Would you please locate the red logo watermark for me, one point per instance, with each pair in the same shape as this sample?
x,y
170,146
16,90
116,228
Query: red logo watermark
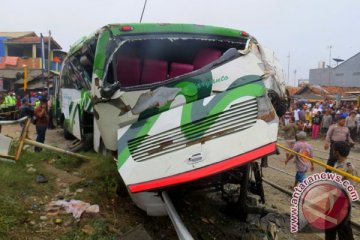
x,y
325,206
322,201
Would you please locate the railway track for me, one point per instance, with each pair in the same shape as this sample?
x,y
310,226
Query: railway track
x,y
180,225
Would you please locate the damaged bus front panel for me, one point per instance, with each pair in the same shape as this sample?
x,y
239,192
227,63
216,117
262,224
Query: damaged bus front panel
x,y
182,102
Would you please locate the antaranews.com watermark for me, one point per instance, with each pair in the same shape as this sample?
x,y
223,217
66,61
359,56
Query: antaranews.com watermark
x,y
321,200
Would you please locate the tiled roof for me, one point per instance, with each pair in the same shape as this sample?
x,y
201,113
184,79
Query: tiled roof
x,y
17,34
292,90
324,90
342,90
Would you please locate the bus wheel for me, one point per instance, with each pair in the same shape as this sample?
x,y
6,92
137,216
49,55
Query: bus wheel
x,y
86,144
236,191
102,148
68,135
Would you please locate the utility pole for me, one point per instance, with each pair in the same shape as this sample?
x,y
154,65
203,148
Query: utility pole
x,y
49,60
295,78
142,14
42,58
330,47
288,74
49,53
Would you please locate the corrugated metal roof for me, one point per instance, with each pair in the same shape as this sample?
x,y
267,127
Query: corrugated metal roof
x,y
17,34
7,73
36,85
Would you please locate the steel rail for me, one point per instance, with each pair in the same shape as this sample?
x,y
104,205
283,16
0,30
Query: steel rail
x,y
325,152
342,173
179,226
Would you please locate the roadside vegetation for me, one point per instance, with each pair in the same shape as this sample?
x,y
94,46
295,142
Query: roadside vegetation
x,y
24,201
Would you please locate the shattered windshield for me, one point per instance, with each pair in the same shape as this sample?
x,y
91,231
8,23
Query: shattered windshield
x,y
75,75
155,59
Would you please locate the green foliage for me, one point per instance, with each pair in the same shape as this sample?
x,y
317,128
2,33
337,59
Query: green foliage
x,y
17,188
100,183
68,163
11,214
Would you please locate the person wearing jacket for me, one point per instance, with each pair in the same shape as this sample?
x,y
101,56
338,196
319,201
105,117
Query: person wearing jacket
x,y
42,119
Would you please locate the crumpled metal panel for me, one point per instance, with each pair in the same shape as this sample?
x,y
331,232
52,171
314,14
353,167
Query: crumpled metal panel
x,y
156,98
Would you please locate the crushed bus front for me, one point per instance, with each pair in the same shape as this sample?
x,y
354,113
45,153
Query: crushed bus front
x,y
182,102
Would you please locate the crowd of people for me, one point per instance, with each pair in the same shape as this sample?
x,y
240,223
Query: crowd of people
x,y
34,105
316,119
340,128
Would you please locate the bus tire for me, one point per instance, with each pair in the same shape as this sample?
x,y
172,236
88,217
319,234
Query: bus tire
x,y
102,149
68,135
86,144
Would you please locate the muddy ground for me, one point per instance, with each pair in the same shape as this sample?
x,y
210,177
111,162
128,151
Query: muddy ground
x,y
205,214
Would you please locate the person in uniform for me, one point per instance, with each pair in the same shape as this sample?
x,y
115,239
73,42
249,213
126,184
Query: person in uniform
x,y
337,132
341,150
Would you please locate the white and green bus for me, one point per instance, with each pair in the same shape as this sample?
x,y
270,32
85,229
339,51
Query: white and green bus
x,y
178,103
74,111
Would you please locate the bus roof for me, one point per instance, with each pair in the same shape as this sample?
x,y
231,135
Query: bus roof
x,y
144,28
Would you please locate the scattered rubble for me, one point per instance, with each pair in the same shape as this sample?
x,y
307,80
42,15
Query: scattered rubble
x,y
136,233
88,229
75,207
41,179
31,170
58,221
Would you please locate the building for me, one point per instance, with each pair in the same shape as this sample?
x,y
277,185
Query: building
x,y
346,74
19,49
302,82
316,93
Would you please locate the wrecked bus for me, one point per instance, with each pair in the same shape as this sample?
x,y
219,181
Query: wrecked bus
x,y
177,102
74,112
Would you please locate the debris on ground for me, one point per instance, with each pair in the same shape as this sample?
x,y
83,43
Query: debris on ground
x,y
58,221
136,233
31,170
75,207
41,179
88,229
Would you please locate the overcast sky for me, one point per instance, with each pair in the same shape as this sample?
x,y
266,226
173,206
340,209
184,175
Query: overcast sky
x,y
305,28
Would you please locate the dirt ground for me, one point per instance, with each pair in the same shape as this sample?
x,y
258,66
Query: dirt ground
x,y
205,221
53,137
